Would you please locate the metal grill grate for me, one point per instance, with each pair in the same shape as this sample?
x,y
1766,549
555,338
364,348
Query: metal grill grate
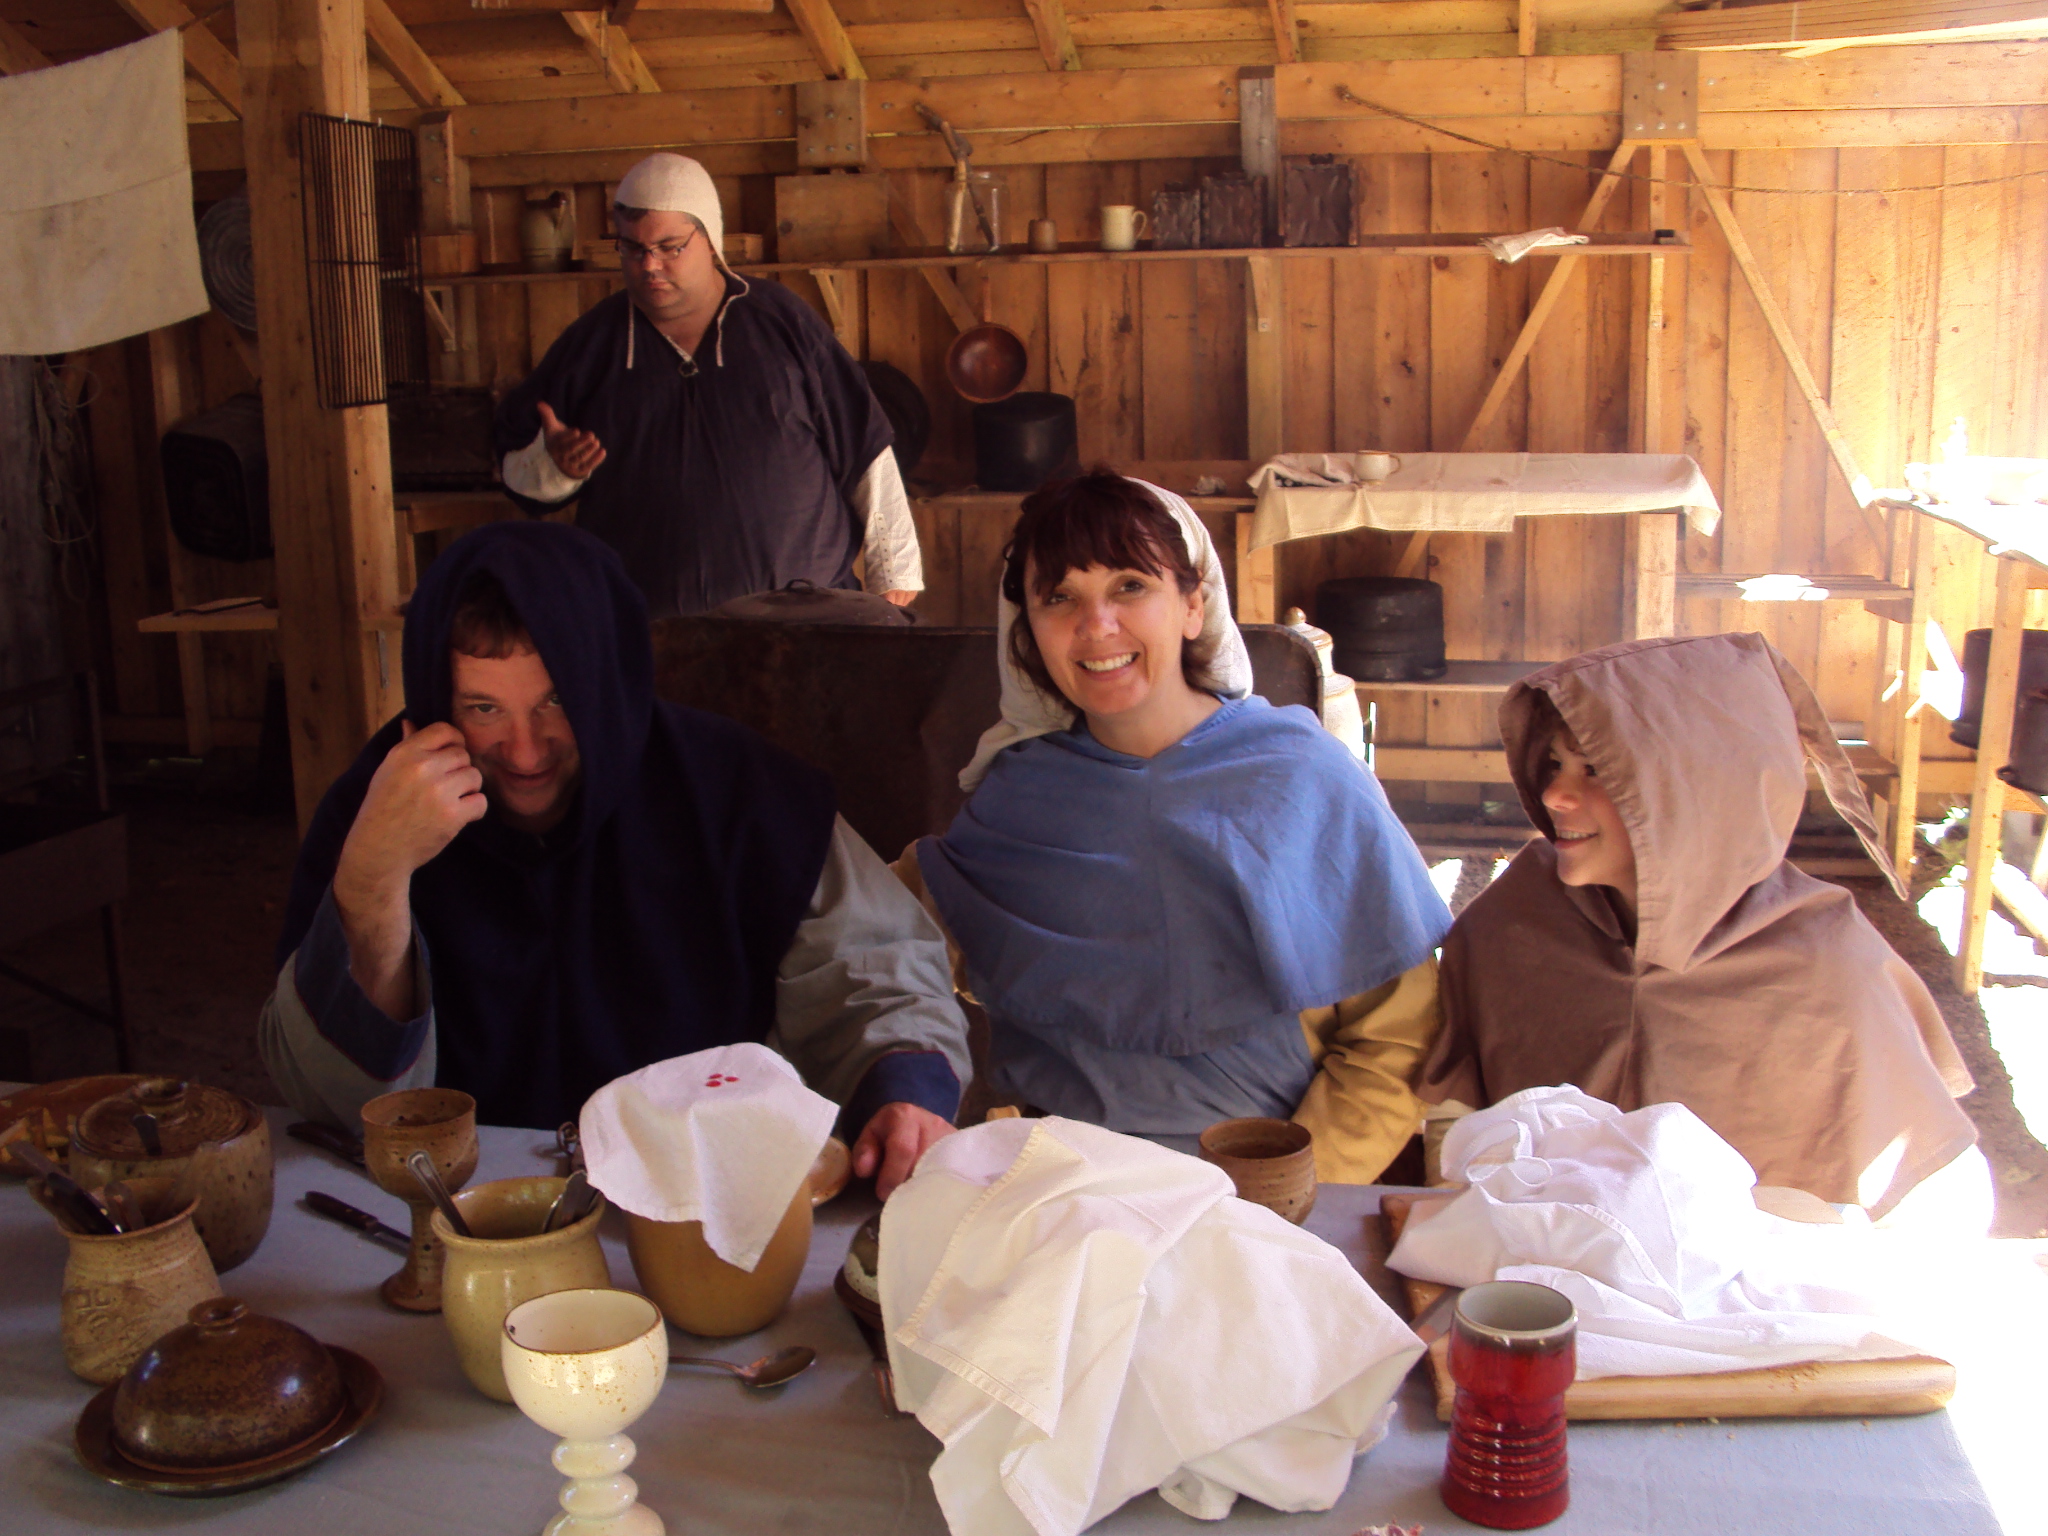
x,y
362,196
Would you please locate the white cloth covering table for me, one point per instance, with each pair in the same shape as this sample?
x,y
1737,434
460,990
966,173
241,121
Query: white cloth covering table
x,y
820,1456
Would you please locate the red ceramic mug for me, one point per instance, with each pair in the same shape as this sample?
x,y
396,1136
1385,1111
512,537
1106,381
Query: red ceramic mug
x,y
1513,1353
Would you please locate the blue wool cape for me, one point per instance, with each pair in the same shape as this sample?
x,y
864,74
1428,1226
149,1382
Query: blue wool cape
x,y
1175,904
648,924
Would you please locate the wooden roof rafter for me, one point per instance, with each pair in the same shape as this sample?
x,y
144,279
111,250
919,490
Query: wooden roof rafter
x,y
206,56
1055,37
17,54
393,47
1807,27
609,46
1286,31
827,38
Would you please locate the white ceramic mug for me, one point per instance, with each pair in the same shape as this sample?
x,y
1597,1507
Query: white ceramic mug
x,y
1122,227
1374,466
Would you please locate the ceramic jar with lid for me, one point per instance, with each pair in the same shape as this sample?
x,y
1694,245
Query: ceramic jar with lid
x,y
228,1388
227,1136
123,1292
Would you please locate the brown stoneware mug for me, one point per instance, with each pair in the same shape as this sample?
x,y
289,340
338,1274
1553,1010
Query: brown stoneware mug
x,y
507,1260
442,1123
123,1292
1272,1163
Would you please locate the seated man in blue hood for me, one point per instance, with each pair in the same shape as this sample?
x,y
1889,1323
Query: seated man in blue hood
x,y
541,877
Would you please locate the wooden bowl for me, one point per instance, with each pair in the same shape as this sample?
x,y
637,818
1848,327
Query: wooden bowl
x,y
1271,1162
987,363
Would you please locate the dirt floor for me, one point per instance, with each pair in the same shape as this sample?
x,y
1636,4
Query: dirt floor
x,y
211,856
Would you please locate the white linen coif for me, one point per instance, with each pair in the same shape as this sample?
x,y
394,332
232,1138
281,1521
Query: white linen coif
x,y
724,1136
96,231
1649,1223
1082,1316
1029,711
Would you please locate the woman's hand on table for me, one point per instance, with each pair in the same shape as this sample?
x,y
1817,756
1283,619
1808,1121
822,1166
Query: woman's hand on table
x,y
895,1137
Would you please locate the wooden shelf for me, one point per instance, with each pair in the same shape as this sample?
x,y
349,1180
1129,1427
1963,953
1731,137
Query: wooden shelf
x,y
1831,589
1463,677
225,616
1632,244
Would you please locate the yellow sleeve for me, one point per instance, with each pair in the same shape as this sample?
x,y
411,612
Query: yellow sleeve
x,y
1360,1108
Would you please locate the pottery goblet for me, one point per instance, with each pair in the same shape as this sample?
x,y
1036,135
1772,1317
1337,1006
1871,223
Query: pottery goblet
x,y
585,1365
442,1123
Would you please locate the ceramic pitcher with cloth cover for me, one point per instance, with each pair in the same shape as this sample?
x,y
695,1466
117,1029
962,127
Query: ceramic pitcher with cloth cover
x,y
710,1156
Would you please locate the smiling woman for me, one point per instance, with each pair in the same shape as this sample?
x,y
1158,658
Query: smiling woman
x,y
1178,904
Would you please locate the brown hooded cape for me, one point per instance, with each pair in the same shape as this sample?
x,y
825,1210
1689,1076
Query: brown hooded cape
x,y
1755,995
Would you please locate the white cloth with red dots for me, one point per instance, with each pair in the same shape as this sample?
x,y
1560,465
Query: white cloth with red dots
x,y
724,1136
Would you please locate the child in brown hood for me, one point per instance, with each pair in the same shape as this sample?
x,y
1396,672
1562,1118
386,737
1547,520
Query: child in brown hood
x,y
1656,945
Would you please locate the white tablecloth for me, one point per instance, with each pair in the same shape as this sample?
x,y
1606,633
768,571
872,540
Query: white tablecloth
x,y
1483,493
821,1456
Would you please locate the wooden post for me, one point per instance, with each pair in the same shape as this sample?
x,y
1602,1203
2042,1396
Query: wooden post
x,y
1258,137
330,470
173,398
1652,538
1265,372
1908,566
1987,790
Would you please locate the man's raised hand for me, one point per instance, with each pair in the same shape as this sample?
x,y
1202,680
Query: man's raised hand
x,y
576,453
424,792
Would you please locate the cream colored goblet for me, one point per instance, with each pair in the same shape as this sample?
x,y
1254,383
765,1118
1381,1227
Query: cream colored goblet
x,y
584,1365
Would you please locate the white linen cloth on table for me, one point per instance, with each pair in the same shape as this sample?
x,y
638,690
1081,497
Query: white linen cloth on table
x,y
1082,1316
1471,492
96,231
1649,1223
723,1136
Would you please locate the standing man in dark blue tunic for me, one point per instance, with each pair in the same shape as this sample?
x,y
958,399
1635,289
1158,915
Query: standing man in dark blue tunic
x,y
713,431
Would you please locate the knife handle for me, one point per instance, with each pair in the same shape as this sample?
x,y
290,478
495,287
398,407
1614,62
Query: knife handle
x,y
327,1139
341,1211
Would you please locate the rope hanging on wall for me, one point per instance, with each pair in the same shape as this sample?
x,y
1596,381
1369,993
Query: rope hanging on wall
x,y
1346,94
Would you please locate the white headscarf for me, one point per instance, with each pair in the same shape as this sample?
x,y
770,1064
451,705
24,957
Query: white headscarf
x,y
671,183
1029,710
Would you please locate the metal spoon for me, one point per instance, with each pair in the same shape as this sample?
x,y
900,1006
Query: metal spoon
x,y
422,1165
768,1371
569,1205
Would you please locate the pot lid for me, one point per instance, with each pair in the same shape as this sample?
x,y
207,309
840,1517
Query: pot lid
x,y
188,1115
803,603
229,1387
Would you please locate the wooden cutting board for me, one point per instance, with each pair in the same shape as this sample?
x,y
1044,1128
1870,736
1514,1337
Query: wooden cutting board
x,y
1825,1389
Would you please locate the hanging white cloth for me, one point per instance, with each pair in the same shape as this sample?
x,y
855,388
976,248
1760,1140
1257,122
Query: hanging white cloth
x,y
1082,1317
96,234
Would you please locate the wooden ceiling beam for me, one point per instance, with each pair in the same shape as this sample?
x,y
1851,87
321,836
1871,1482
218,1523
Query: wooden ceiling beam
x,y
17,54
614,53
1055,37
1808,24
830,45
394,48
1286,31
206,56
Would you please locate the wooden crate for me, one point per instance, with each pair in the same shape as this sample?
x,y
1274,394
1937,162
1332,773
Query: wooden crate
x,y
1233,211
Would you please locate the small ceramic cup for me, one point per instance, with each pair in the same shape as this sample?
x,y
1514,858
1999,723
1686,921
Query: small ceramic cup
x,y
1374,466
507,1260
1271,1162
1513,1353
1045,236
702,1294
1123,226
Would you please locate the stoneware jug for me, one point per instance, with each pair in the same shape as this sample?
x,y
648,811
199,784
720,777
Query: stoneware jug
x,y
222,1139
507,1260
123,1293
702,1294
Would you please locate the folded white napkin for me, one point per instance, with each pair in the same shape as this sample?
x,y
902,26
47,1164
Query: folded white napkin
x,y
1512,248
1319,471
723,1136
1082,1316
1648,1222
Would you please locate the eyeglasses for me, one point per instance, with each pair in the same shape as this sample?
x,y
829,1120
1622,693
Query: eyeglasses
x,y
662,254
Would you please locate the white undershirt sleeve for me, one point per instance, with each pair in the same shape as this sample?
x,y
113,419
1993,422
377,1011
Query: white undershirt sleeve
x,y
894,562
532,472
